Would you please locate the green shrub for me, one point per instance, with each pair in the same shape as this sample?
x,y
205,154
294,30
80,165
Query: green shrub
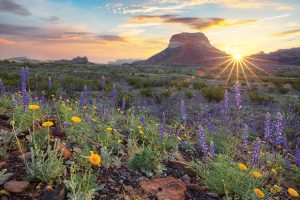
x,y
166,93
198,85
189,94
147,161
185,84
148,92
215,93
225,177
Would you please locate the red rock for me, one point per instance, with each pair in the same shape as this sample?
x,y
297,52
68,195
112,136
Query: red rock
x,y
165,188
16,186
65,151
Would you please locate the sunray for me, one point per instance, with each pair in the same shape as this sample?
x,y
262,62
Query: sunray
x,y
250,70
225,68
214,58
237,70
230,73
219,64
248,57
243,70
257,67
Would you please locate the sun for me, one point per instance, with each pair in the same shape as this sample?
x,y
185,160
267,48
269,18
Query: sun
x,y
237,57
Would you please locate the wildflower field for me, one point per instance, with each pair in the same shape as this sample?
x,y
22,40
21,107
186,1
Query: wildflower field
x,y
64,140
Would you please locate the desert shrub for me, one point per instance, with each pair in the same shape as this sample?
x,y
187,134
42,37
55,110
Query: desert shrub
x,y
295,84
166,93
185,84
189,94
214,93
281,88
198,85
82,187
147,161
225,177
255,96
148,92
109,159
46,165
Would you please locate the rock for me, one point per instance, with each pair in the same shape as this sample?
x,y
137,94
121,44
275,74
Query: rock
x,y
165,188
16,186
65,151
128,188
58,132
196,187
212,194
76,149
186,179
4,117
57,194
181,165
26,156
6,177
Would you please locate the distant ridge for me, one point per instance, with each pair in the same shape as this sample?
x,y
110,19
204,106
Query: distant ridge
x,y
187,49
281,56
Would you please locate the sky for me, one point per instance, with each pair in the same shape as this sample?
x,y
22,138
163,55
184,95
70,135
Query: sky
x,y
106,30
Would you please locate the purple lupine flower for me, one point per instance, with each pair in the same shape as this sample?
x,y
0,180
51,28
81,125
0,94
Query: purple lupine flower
x,y
81,102
2,88
183,113
225,106
123,104
85,92
245,135
43,99
72,87
92,124
279,136
103,83
100,110
107,115
142,120
170,132
49,83
256,152
201,141
161,131
25,99
23,79
163,119
267,127
114,93
237,89
86,118
27,73
297,153
212,150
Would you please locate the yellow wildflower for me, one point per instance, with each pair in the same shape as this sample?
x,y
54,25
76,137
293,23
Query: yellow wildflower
x,y
33,107
274,171
85,107
178,138
139,127
242,166
260,194
109,129
141,132
95,107
275,189
95,159
76,119
47,124
293,192
120,141
256,174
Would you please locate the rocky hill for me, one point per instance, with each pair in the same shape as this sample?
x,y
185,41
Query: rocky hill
x,y
187,49
77,60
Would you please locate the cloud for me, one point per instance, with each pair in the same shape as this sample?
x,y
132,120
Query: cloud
x,y
13,7
287,33
51,19
195,23
115,38
9,29
70,36
6,42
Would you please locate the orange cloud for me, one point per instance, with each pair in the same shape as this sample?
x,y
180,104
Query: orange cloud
x,y
195,23
6,42
286,33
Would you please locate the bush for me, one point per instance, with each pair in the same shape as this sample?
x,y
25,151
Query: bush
x,y
198,85
148,92
215,93
189,95
147,162
166,93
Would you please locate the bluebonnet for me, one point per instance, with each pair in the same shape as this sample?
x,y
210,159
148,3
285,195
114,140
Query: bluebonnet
x,y
237,89
2,88
163,119
107,115
161,132
267,127
256,152
43,99
201,141
123,104
114,93
297,154
245,135
183,113
171,132
142,120
279,136
103,83
25,95
100,110
23,79
49,83
225,106
212,150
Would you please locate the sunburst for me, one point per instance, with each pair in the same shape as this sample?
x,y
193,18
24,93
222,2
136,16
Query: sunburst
x,y
239,65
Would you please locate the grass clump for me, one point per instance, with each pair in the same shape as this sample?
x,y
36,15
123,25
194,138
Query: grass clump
x,y
214,93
